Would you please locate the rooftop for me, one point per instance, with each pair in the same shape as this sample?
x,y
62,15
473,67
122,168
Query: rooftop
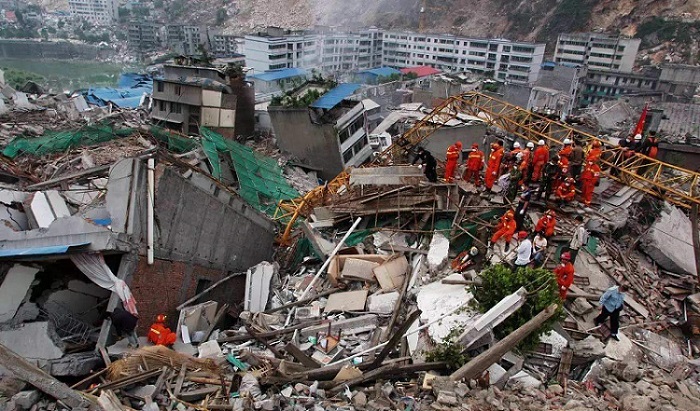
x,y
380,71
334,96
421,71
280,74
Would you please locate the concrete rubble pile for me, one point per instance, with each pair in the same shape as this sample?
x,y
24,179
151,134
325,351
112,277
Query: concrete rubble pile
x,y
346,316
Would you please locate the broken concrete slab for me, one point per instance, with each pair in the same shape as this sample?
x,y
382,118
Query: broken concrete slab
x,y
669,241
392,274
196,318
619,350
122,346
26,312
589,348
57,203
347,301
26,399
76,364
382,303
358,269
71,302
337,264
525,380
209,349
556,341
357,325
492,318
257,289
91,289
14,288
392,175
438,251
33,341
437,299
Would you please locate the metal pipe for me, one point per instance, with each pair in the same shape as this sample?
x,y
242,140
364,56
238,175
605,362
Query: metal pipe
x,y
151,199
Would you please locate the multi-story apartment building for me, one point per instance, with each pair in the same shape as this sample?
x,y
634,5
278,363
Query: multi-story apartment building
x,y
97,12
506,60
143,36
345,51
224,45
611,85
186,40
597,51
277,49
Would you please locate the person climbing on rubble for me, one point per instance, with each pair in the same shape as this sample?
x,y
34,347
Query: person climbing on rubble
x,y
549,178
524,250
428,162
547,223
595,153
125,325
475,162
539,158
452,158
565,274
611,302
650,147
523,205
566,191
494,164
504,231
539,249
589,180
159,334
577,158
579,239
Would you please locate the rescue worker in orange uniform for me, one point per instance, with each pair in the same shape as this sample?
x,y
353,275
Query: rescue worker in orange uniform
x,y
494,164
475,162
566,191
539,159
565,274
567,149
595,153
159,334
526,163
505,228
547,223
453,153
589,179
650,147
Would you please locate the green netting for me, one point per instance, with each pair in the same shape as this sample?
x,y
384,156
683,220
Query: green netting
x,y
177,143
56,141
261,181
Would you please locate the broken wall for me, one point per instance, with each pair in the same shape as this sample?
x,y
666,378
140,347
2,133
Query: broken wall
x,y
446,136
174,283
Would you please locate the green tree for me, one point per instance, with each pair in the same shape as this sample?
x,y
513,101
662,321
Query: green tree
x,y
500,281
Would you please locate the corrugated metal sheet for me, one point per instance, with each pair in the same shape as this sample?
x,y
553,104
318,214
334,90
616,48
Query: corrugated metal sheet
x,y
380,71
421,71
280,74
48,250
333,97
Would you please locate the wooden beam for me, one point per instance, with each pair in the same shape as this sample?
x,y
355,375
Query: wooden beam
x,y
300,356
696,244
476,366
396,336
47,384
219,315
276,333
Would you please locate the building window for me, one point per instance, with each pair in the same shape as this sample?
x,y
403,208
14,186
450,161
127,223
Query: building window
x,y
160,86
178,90
161,105
175,108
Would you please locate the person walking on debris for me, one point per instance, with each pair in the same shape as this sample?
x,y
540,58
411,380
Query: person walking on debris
x,y
524,250
539,158
429,164
579,239
159,334
523,205
452,158
577,157
475,162
125,325
547,223
589,180
550,176
565,274
539,245
612,302
504,231
494,164
566,191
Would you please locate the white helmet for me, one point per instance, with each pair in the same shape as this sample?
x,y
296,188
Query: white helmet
x,y
474,251
516,145
540,143
530,145
567,141
519,156
637,137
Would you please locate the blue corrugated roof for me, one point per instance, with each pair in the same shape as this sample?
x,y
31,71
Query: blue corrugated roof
x,y
48,250
280,74
335,96
380,71
131,87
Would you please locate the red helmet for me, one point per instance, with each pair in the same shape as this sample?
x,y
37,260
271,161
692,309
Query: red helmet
x,y
459,144
565,256
522,234
475,145
596,143
160,318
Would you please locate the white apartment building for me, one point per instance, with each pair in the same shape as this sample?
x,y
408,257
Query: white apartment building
x,y
277,49
97,12
517,62
348,51
597,51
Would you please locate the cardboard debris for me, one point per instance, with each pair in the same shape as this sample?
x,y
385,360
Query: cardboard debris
x,y
392,273
347,301
357,269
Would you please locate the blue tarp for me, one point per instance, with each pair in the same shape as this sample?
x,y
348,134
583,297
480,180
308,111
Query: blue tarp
x,y
380,71
333,97
130,88
48,250
274,75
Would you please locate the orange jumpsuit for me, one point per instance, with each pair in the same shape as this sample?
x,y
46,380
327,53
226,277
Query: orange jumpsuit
x,y
475,162
546,223
453,153
566,152
594,154
589,178
565,192
159,334
505,228
525,163
539,159
493,166
565,277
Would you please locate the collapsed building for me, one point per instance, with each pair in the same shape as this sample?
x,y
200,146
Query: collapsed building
x,y
364,289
